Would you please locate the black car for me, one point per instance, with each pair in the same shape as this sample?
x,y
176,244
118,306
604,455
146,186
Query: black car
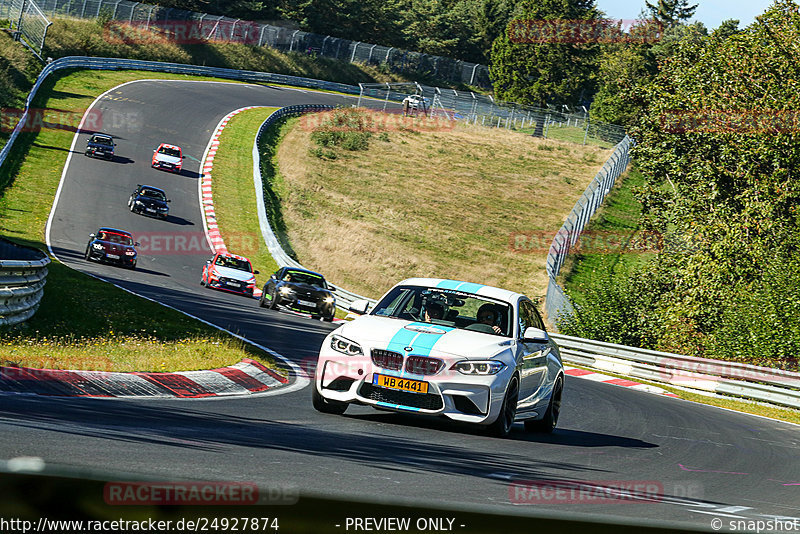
x,y
149,200
112,246
101,145
300,290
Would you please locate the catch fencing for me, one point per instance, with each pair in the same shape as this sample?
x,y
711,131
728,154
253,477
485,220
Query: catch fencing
x,y
474,108
27,22
218,28
23,273
557,304
343,297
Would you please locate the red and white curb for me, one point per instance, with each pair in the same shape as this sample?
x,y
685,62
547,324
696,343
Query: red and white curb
x,y
244,378
213,234
623,382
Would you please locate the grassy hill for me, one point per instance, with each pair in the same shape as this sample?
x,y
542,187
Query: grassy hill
x,y
447,203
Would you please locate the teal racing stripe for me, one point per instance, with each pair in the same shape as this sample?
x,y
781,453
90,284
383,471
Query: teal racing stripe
x,y
467,287
448,284
470,287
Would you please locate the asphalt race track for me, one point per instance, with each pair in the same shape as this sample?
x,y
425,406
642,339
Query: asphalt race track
x,y
707,462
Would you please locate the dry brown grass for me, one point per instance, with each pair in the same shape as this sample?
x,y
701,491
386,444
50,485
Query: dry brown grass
x,y
442,204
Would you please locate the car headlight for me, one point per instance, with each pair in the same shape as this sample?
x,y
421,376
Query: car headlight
x,y
251,282
97,246
130,253
328,300
345,346
163,208
138,203
285,290
483,367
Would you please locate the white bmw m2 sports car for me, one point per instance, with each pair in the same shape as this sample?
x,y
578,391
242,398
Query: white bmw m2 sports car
x,y
469,352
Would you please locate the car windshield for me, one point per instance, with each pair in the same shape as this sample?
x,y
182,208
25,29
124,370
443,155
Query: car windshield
x,y
299,277
167,151
102,141
233,263
152,193
113,237
447,307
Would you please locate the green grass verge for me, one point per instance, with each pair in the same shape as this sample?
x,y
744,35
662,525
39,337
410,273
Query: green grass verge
x,y
112,329
234,194
233,189
614,224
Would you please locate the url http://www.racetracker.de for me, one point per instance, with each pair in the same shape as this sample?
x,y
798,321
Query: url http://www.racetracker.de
x,y
195,524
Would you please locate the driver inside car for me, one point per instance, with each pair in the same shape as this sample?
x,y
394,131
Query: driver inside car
x,y
433,310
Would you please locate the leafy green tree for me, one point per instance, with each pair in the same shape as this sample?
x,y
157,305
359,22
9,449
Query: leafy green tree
x,y
718,145
536,67
671,12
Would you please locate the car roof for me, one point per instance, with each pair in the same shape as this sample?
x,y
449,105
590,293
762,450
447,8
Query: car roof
x,y
167,145
466,287
106,229
301,270
102,135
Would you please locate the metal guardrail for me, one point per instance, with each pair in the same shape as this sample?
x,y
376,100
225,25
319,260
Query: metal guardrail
x,y
557,304
23,273
343,297
703,375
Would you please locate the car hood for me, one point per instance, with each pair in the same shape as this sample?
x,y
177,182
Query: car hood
x,y
168,159
236,274
99,145
424,338
151,202
307,287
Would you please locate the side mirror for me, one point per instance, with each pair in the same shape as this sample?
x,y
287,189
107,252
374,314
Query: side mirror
x,y
535,335
331,287
92,235
183,157
208,262
272,276
256,272
154,151
359,306
168,200
137,244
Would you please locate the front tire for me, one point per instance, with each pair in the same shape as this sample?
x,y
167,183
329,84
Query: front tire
x,y
87,255
273,303
548,423
508,412
323,405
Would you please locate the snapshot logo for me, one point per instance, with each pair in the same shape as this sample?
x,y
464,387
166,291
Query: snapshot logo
x,y
195,493
730,121
182,32
588,242
39,119
376,121
584,492
579,31
191,243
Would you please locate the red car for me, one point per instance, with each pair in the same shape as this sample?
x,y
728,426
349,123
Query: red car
x,y
168,157
229,272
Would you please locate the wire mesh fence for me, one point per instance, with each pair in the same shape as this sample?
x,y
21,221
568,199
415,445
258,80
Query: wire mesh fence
x,y
473,108
178,22
27,22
